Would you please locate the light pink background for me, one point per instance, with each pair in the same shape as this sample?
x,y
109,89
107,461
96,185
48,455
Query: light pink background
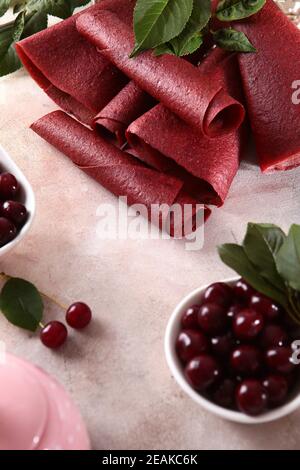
x,y
116,370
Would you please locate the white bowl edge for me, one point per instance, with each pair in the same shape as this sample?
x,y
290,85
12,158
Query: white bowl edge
x,y
175,367
7,164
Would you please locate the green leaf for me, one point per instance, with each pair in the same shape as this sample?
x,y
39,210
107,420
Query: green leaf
x,y
235,257
158,21
34,23
232,40
21,303
230,10
4,6
189,45
165,48
9,61
191,38
60,8
261,244
288,258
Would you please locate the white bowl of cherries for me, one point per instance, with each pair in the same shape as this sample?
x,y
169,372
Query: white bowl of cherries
x,y
17,204
229,348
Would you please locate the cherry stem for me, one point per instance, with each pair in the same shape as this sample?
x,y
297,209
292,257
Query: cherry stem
x,y
6,277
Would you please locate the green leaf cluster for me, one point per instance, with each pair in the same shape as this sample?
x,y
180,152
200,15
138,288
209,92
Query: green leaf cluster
x,y
269,260
32,16
178,26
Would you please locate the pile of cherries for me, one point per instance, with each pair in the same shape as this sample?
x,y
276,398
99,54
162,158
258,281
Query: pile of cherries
x,y
235,347
13,214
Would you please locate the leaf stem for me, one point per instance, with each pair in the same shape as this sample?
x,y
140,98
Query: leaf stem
x,y
6,277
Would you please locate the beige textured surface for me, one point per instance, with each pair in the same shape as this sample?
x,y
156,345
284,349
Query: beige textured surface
x,y
116,370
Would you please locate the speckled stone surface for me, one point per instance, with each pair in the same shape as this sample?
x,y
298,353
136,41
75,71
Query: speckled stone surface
x,y
115,370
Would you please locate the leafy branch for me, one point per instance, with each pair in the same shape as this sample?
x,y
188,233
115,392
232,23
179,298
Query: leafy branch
x,y
31,17
269,260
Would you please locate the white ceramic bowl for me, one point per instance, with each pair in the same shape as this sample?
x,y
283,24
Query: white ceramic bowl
x,y
172,331
26,197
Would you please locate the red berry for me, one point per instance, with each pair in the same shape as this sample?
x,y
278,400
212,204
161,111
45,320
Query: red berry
x,y
54,334
223,395
212,318
14,211
78,315
247,324
277,388
265,306
243,291
233,310
190,343
202,372
9,186
190,317
251,397
7,231
218,293
246,360
222,345
273,335
279,360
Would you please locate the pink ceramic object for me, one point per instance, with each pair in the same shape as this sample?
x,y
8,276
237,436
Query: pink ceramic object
x,y
36,413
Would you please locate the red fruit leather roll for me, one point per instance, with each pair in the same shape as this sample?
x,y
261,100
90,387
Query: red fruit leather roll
x,y
208,166
69,69
130,103
117,171
171,80
268,77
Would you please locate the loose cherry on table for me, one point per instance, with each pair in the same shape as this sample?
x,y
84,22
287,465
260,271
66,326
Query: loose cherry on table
x,y
236,349
78,316
54,334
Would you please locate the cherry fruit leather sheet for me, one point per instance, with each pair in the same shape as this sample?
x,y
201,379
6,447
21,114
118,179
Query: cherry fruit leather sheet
x,y
173,81
268,77
117,171
130,103
207,165
70,69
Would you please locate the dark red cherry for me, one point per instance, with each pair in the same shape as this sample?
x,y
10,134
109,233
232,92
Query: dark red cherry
x,y
78,315
202,372
223,395
222,345
233,310
190,317
247,324
190,343
54,334
279,360
218,293
243,291
251,397
14,211
277,388
246,360
9,186
265,306
273,335
7,231
212,318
